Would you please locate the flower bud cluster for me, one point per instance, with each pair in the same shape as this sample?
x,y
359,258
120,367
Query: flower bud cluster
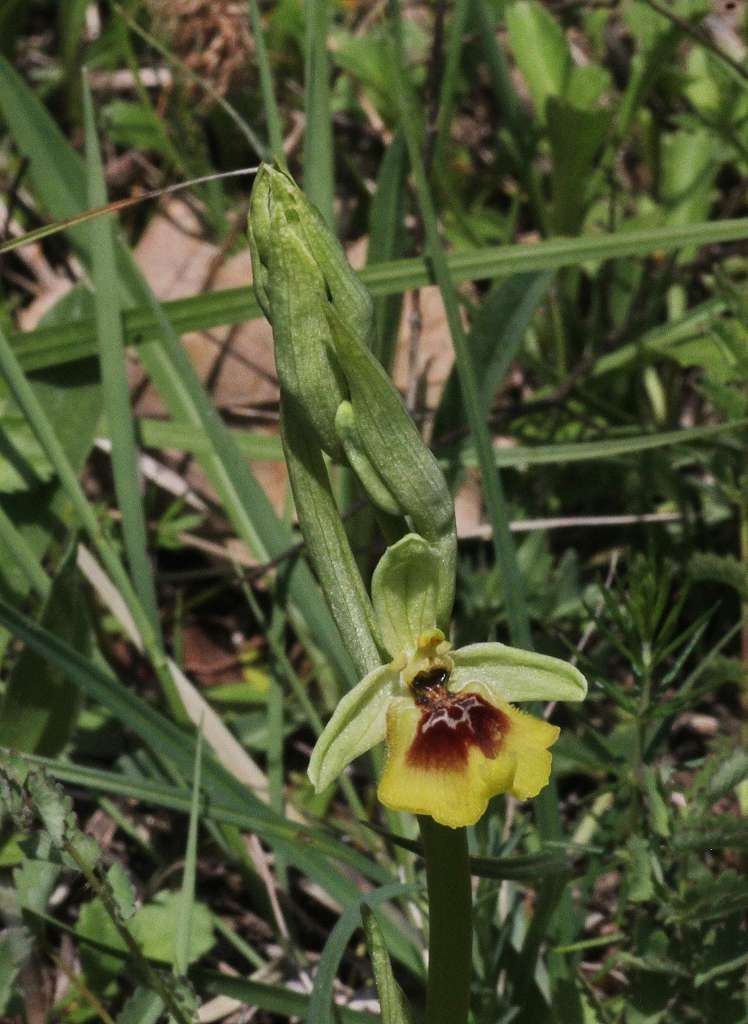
x,y
330,382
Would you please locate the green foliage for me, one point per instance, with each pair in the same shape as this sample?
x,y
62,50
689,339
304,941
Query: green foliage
x,y
606,379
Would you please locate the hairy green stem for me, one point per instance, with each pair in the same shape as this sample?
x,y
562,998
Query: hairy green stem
x,y
450,922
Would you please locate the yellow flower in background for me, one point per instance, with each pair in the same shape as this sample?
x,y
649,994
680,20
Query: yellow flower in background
x,y
454,740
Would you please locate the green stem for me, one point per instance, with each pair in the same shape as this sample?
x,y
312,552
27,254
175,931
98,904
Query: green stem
x,y
450,922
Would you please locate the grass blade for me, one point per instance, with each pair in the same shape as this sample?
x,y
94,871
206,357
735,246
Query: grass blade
x,y
320,1004
47,437
395,1009
272,115
387,241
50,346
460,12
187,894
581,451
245,503
114,382
319,172
274,998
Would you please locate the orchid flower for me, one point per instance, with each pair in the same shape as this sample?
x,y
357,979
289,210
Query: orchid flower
x,y
454,738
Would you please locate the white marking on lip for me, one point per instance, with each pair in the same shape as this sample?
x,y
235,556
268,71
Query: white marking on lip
x,y
453,715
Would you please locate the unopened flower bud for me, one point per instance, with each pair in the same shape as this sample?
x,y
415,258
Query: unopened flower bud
x,y
299,268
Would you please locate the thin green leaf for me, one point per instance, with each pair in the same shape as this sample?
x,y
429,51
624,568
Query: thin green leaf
x,y
183,931
272,114
50,346
387,241
164,359
392,1000
320,1003
319,173
581,451
114,380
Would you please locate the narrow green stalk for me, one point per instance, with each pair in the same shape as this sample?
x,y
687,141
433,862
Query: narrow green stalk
x,y
187,892
114,382
328,546
519,623
498,69
450,922
546,806
272,115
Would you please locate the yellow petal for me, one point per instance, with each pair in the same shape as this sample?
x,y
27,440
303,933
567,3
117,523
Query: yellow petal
x,y
447,760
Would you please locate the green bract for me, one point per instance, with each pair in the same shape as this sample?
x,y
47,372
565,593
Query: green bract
x,y
405,595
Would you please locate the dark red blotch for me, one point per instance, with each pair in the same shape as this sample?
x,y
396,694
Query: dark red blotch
x,y
450,726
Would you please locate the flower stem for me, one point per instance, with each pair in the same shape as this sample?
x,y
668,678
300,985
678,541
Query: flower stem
x,y
450,922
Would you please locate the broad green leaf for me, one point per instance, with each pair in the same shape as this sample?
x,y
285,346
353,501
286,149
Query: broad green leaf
x,y
24,465
122,890
576,136
732,771
540,50
586,86
143,1007
40,705
135,126
154,926
690,161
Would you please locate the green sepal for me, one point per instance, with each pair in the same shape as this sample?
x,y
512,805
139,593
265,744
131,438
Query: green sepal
x,y
358,723
404,591
371,481
511,674
311,381
397,452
